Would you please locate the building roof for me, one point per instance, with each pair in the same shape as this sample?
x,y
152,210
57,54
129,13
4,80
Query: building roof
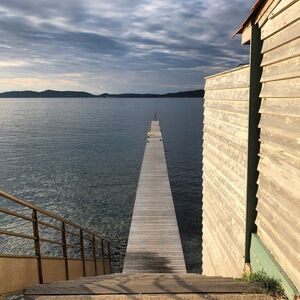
x,y
254,9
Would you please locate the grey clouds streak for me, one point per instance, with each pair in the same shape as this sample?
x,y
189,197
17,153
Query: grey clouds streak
x,y
118,45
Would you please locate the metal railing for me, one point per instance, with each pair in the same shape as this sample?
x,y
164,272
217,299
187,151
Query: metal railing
x,y
65,230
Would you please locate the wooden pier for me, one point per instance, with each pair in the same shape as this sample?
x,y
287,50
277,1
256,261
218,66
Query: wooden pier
x,y
154,244
154,247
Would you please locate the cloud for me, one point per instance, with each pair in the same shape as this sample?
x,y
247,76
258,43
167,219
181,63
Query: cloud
x,y
12,63
120,45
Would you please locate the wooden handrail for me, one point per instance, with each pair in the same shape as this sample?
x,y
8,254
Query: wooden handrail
x,y
16,234
44,212
51,241
49,225
15,214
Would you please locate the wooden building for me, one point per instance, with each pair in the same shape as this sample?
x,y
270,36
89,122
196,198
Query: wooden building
x,y
251,152
225,172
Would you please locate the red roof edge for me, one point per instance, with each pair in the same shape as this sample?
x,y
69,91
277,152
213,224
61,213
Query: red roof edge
x,y
257,5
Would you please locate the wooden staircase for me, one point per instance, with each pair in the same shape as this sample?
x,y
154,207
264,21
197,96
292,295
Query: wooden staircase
x,y
146,286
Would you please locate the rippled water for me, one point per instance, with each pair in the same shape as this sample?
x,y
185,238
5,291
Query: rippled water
x,y
81,159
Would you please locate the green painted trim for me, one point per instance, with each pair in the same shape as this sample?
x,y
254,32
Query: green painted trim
x,y
262,260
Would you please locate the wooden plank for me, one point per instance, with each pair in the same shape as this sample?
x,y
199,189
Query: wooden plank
x,y
246,34
227,157
231,106
149,278
220,201
282,37
150,284
282,5
286,69
53,270
281,141
234,79
240,157
227,71
277,244
154,243
282,124
272,205
286,51
165,296
284,144
282,20
229,262
266,10
239,145
223,211
229,131
281,158
229,171
283,195
272,215
279,175
227,117
17,274
288,107
241,94
289,88
223,260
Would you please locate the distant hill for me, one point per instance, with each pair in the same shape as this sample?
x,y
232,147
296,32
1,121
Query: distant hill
x,y
46,94
186,94
73,94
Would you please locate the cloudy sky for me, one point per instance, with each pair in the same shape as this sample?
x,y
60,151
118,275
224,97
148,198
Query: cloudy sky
x,y
117,45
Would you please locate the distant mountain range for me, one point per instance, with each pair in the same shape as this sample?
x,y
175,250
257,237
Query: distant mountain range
x,y
73,94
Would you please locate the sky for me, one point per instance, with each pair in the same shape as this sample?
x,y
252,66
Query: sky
x,y
118,46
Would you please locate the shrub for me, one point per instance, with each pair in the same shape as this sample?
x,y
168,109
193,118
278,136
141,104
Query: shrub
x,y
271,285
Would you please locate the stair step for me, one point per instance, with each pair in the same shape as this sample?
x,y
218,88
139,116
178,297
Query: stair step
x,y
157,297
150,285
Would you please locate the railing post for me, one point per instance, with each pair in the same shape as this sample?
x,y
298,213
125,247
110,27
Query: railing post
x,y
94,253
102,256
65,250
82,252
37,245
109,256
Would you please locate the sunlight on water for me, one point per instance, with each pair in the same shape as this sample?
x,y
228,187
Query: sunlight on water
x,y
81,158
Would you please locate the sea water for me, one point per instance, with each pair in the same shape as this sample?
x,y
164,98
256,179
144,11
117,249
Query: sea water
x,y
81,158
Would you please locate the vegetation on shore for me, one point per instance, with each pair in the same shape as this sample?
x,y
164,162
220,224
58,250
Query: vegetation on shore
x,y
270,285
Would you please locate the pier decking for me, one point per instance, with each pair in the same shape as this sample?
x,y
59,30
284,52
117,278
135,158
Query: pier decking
x,y
154,247
154,243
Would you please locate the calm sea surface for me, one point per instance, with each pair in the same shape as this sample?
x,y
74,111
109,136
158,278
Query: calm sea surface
x,y
81,159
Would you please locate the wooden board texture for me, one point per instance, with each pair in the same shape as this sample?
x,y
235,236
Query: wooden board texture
x,y
279,167
139,284
154,243
224,172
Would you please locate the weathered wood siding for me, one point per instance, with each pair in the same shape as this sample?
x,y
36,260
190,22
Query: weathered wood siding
x,y
224,172
278,218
